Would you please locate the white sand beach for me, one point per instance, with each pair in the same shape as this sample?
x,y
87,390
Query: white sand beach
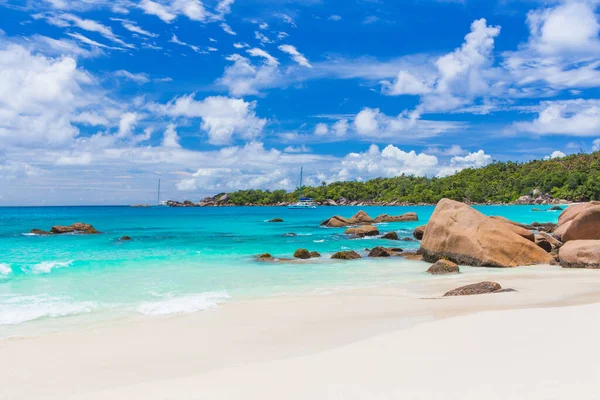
x,y
379,343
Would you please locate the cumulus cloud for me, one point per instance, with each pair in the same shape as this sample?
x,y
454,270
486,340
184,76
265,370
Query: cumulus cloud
x,y
372,123
569,117
555,154
223,118
38,97
170,137
472,160
245,78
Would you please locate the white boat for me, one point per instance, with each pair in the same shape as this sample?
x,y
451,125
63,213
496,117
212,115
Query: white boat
x,y
303,202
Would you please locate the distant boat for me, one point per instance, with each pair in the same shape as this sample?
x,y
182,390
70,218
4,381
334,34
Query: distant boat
x,y
303,202
158,202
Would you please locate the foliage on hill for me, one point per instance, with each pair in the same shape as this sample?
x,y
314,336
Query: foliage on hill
x,y
574,178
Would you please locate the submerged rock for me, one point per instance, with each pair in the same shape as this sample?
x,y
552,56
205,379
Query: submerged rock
x,y
346,255
36,231
302,253
315,254
362,231
580,254
125,238
442,267
476,288
276,220
465,236
290,234
390,236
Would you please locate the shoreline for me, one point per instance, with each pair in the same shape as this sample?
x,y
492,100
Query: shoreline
x,y
141,359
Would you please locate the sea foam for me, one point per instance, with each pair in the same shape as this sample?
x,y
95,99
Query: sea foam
x,y
45,267
5,270
184,304
28,308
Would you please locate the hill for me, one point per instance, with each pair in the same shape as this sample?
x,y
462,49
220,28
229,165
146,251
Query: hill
x,y
573,178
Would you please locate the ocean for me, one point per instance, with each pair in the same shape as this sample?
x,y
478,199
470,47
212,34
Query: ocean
x,y
183,260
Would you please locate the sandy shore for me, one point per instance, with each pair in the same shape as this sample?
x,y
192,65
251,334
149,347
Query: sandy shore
x,y
379,343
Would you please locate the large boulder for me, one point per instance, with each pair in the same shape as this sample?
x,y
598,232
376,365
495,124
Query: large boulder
x,y
419,232
362,231
361,217
442,267
465,236
580,254
336,222
475,288
346,255
585,225
543,243
411,216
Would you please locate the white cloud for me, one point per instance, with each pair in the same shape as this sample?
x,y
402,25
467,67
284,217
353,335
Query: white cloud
x,y
473,160
244,78
223,118
570,27
157,9
137,78
297,149
340,128
407,83
555,154
67,20
38,96
454,150
127,124
596,145
175,39
170,137
133,27
261,37
334,17
321,129
241,45
570,117
227,29
269,59
372,123
296,55
392,161
75,159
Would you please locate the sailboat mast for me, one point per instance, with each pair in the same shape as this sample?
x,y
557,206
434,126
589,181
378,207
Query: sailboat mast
x,y
301,168
158,192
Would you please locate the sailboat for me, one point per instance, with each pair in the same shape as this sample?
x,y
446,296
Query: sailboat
x,y
303,202
159,203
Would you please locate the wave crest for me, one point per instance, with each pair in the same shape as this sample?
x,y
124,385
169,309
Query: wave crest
x,y
45,267
183,304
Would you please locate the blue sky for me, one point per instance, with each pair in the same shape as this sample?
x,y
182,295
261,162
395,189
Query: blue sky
x,y
99,99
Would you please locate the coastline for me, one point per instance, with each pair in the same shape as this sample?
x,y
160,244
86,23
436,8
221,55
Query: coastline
x,y
200,354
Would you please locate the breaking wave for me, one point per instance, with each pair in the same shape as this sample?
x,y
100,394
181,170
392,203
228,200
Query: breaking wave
x,y
184,304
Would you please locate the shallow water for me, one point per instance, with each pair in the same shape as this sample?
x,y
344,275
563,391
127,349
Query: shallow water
x,y
186,259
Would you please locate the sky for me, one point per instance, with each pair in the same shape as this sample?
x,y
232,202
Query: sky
x,y
99,99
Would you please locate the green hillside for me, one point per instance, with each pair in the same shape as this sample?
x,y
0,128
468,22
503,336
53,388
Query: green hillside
x,y
574,178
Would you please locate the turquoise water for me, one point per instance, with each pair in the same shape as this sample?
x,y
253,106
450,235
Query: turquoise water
x,y
186,259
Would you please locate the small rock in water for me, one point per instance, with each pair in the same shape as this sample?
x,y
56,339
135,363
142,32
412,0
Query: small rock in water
x,y
476,288
291,234
302,253
407,239
390,236
381,252
315,254
346,255
39,232
125,238
276,220
265,257
556,208
442,267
